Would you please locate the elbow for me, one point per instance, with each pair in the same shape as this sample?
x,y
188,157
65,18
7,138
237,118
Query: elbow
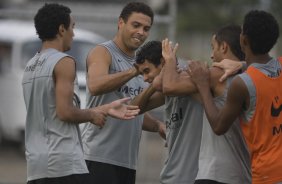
x,y
64,115
167,90
94,90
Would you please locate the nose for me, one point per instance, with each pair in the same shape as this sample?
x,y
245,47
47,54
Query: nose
x,y
141,31
146,78
212,56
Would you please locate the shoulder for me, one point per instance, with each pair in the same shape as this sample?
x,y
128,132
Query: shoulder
x,y
215,73
239,86
63,65
66,61
99,50
54,57
99,54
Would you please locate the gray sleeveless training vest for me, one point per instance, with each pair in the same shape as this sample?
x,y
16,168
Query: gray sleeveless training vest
x,y
224,158
184,117
53,147
117,143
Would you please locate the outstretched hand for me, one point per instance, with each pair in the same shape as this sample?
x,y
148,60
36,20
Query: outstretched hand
x,y
168,51
230,67
119,109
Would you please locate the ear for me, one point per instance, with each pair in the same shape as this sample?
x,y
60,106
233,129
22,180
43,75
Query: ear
x,y
224,47
244,41
61,29
120,22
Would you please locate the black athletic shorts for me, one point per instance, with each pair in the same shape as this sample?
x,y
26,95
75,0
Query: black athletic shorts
x,y
71,179
103,173
207,182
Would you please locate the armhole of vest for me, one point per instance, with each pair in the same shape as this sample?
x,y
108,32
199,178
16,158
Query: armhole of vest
x,y
245,118
63,55
108,49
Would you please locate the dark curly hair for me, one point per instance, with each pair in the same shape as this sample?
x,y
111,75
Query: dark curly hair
x,y
262,30
151,51
137,7
48,19
231,35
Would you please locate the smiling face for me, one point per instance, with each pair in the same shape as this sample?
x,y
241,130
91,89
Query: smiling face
x,y
135,30
149,71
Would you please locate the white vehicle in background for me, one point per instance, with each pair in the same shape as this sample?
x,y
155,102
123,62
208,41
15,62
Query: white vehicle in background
x,y
18,43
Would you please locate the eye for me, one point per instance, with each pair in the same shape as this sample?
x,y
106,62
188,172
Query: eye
x,y
146,71
147,29
135,24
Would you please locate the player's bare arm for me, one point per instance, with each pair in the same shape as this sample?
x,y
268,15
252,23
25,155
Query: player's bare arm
x,y
99,80
219,119
148,99
65,109
152,124
174,83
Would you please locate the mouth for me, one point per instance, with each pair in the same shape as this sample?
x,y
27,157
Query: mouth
x,y
138,40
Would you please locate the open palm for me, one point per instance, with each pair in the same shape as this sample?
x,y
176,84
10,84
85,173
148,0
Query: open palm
x,y
119,109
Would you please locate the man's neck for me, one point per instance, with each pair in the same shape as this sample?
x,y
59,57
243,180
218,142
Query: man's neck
x,y
261,59
123,48
231,56
51,44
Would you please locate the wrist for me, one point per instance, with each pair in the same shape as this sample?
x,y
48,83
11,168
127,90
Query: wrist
x,y
170,61
133,72
106,108
203,87
136,69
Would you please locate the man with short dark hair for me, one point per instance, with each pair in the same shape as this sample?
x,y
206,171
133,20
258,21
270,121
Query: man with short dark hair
x,y
52,138
111,153
221,159
254,96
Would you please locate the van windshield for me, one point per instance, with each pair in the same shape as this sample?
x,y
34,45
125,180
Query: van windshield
x,y
79,51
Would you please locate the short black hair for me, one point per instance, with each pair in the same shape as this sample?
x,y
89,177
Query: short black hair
x,y
262,31
231,35
151,51
137,7
49,18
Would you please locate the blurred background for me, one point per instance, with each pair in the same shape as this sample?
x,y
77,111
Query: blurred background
x,y
190,23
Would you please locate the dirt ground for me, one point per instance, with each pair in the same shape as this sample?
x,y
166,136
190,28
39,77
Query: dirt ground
x,y
151,158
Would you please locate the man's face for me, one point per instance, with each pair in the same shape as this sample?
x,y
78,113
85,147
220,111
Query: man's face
x,y
149,71
216,54
135,31
69,35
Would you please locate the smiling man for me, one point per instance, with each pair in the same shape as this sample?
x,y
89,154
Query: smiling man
x,y
111,152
